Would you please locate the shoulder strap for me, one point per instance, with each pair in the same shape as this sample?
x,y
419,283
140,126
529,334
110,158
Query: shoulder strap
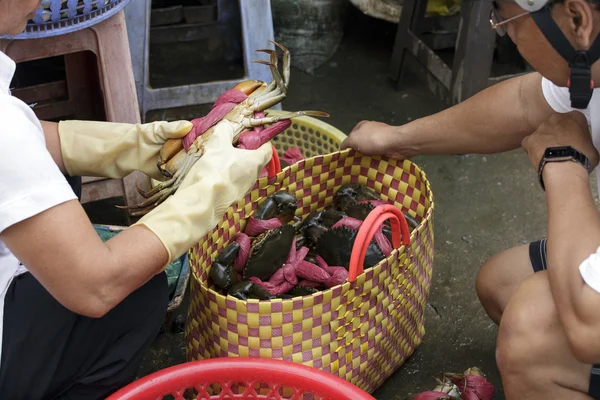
x,y
581,86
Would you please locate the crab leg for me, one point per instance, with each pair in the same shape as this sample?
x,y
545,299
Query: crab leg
x,y
151,202
263,90
186,167
163,185
286,63
169,149
267,96
273,65
174,164
267,102
158,194
249,87
156,189
252,122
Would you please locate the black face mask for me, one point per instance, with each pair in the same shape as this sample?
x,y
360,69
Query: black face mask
x,y
580,61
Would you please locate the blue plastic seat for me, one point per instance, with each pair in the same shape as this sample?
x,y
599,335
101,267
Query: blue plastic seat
x,y
57,17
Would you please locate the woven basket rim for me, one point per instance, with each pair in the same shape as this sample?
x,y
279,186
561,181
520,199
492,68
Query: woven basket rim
x,y
322,125
346,285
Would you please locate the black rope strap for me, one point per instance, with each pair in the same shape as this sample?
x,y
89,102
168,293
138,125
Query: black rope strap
x,y
581,86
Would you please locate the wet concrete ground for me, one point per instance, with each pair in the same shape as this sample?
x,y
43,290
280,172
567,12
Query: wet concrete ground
x,y
484,204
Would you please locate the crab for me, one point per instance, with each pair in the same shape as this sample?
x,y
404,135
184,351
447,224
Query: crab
x,y
298,274
243,108
273,261
351,193
335,247
282,205
358,201
266,252
269,252
334,230
318,223
246,290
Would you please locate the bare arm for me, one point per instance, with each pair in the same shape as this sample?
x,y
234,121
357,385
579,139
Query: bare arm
x,y
573,229
494,120
53,143
63,251
573,234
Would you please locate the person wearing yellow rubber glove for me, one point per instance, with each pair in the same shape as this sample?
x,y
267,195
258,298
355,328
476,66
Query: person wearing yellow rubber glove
x,y
220,177
114,150
118,284
77,314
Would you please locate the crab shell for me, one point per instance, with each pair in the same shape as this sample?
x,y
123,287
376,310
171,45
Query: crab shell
x,y
246,290
222,272
361,211
318,223
299,291
269,252
282,205
351,193
335,247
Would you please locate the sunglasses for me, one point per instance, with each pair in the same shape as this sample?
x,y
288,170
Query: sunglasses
x,y
499,24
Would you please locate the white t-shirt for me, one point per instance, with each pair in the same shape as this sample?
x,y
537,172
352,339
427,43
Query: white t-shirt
x,y
30,181
558,98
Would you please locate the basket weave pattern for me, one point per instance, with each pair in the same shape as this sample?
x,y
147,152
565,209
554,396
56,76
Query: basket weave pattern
x,y
360,331
311,141
313,136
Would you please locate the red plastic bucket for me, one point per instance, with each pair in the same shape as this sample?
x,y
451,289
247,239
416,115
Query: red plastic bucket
x,y
241,378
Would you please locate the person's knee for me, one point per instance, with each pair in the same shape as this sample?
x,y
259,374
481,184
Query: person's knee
x,y
499,278
516,344
521,341
487,287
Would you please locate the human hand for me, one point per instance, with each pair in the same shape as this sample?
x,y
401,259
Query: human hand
x,y
377,138
114,150
570,129
222,176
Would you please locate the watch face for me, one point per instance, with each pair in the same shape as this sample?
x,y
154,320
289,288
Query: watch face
x,y
556,152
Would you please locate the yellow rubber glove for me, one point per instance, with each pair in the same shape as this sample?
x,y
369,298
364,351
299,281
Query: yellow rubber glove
x,y
221,177
114,150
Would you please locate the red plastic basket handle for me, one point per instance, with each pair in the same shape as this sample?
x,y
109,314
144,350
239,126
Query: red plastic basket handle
x,y
274,166
368,229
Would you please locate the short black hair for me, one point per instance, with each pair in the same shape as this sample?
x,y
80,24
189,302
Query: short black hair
x,y
595,3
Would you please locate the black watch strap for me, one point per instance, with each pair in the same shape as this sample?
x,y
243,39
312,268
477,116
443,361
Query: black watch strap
x,y
560,154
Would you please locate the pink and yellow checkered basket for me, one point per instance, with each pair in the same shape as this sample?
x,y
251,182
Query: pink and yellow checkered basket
x,y
361,331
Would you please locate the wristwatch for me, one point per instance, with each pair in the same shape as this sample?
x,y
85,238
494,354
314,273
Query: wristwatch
x,y
559,154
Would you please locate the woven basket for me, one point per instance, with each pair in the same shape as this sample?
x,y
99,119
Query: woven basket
x,y
314,137
361,331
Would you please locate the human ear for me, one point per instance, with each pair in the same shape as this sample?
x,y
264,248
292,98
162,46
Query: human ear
x,y
580,15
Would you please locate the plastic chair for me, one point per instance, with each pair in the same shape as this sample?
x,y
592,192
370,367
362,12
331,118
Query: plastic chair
x,y
241,378
257,30
108,41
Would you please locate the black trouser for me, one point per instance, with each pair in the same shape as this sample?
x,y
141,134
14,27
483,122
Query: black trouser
x,y
537,254
49,352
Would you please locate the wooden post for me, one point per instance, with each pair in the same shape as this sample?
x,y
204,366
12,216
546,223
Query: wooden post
x,y
413,11
474,51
